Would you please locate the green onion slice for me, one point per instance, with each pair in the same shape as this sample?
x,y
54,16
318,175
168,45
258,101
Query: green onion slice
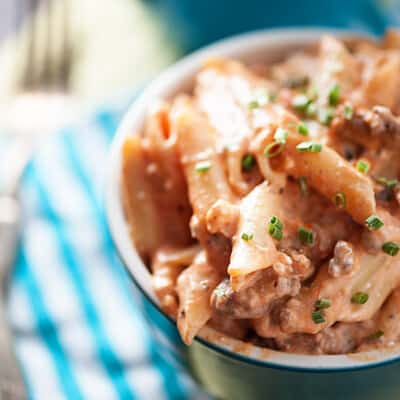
x,y
359,298
322,304
296,82
334,95
276,233
301,102
261,98
311,110
310,146
276,222
348,111
306,236
248,162
325,115
318,317
312,93
376,335
202,166
247,236
303,185
272,96
302,128
275,227
389,183
281,135
391,248
373,222
363,166
340,200
273,149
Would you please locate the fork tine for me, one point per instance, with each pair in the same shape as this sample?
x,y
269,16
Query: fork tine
x,y
29,72
47,55
66,48
45,77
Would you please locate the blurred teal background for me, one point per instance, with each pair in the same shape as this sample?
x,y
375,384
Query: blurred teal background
x,y
200,22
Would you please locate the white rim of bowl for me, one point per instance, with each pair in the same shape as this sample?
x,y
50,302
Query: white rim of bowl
x,y
164,86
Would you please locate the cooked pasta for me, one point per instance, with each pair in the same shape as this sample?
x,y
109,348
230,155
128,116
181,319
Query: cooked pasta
x,y
267,204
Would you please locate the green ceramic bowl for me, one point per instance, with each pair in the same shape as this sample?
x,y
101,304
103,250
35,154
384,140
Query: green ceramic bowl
x,y
226,368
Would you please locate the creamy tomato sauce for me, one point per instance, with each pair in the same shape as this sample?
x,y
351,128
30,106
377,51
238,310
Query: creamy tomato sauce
x,y
266,201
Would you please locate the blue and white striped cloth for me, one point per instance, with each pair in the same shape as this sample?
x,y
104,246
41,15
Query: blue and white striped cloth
x,y
78,330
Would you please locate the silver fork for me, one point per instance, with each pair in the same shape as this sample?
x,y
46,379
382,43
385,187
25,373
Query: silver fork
x,y
44,77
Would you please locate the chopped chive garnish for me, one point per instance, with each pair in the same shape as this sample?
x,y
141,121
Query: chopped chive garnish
x,y
202,166
359,298
302,128
257,103
275,227
248,162
334,95
363,166
312,93
296,82
376,335
313,147
303,185
247,236
311,110
273,149
340,200
389,183
261,98
348,111
301,102
306,236
253,104
318,317
276,222
373,222
322,303
325,115
272,97
391,248
276,233
281,135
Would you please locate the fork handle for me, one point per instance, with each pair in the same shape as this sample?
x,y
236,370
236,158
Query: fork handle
x,y
11,382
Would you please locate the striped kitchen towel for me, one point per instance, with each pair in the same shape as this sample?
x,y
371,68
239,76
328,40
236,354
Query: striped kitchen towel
x,y
78,330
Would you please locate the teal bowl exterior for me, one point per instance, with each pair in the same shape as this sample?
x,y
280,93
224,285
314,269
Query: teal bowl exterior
x,y
237,377
222,372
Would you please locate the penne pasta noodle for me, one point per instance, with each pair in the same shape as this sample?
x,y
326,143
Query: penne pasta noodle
x,y
202,165
391,40
336,67
387,327
330,174
224,91
138,204
374,273
381,86
205,175
165,176
266,199
234,170
260,252
167,264
194,288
